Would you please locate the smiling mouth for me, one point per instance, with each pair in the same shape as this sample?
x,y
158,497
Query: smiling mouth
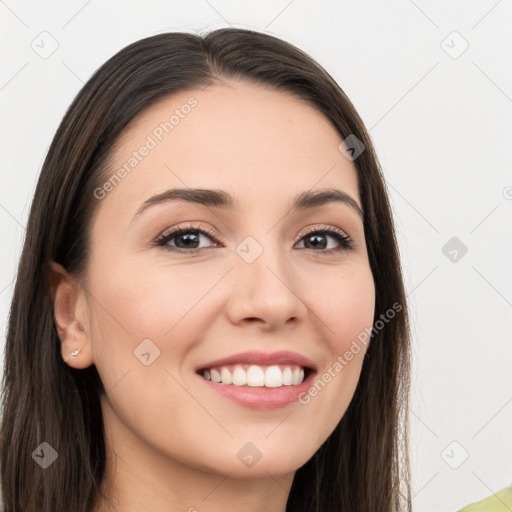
x,y
252,375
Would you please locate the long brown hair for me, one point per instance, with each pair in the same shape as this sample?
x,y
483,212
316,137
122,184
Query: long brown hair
x,y
364,464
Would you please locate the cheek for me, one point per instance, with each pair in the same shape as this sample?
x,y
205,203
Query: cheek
x,y
161,309
148,302
139,310
134,303
344,302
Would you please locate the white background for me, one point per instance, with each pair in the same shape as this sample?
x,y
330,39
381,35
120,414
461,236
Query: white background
x,y
442,130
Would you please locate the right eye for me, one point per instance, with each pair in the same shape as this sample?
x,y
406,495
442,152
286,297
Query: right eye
x,y
184,237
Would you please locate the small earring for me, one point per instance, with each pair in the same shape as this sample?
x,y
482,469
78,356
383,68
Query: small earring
x,y
71,355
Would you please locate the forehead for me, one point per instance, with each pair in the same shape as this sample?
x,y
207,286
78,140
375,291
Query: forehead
x,y
253,141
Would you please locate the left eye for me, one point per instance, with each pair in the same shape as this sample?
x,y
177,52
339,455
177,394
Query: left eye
x,y
188,238
318,236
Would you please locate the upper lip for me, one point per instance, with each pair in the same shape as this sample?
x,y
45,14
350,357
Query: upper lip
x,y
262,358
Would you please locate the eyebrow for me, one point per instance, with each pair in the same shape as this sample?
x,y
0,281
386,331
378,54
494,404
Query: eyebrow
x,y
222,199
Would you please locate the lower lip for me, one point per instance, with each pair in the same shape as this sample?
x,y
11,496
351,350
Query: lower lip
x,y
261,397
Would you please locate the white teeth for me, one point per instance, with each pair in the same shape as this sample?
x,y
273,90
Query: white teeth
x,y
297,376
215,376
255,376
225,376
239,376
274,376
287,376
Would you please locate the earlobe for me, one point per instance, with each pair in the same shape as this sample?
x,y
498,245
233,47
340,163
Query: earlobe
x,y
69,312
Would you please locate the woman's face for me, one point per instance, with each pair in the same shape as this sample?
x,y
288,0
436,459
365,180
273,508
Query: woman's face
x,y
159,308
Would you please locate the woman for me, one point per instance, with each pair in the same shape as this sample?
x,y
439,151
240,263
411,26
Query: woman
x,y
209,312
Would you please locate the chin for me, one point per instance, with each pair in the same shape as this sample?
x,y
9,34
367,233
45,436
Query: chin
x,y
271,461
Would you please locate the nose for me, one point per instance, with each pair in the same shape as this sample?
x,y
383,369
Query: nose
x,y
265,292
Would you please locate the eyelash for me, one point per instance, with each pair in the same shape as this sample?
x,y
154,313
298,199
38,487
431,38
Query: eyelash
x,y
343,239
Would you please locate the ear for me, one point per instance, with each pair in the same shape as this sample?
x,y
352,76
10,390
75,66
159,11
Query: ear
x,y
70,314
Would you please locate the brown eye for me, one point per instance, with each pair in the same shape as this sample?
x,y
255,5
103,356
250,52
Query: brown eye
x,y
317,240
186,239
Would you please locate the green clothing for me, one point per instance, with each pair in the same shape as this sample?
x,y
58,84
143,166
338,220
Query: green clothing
x,y
499,502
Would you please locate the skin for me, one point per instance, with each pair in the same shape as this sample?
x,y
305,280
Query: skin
x,y
172,443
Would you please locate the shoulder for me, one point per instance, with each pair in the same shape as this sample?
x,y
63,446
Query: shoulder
x,y
498,502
